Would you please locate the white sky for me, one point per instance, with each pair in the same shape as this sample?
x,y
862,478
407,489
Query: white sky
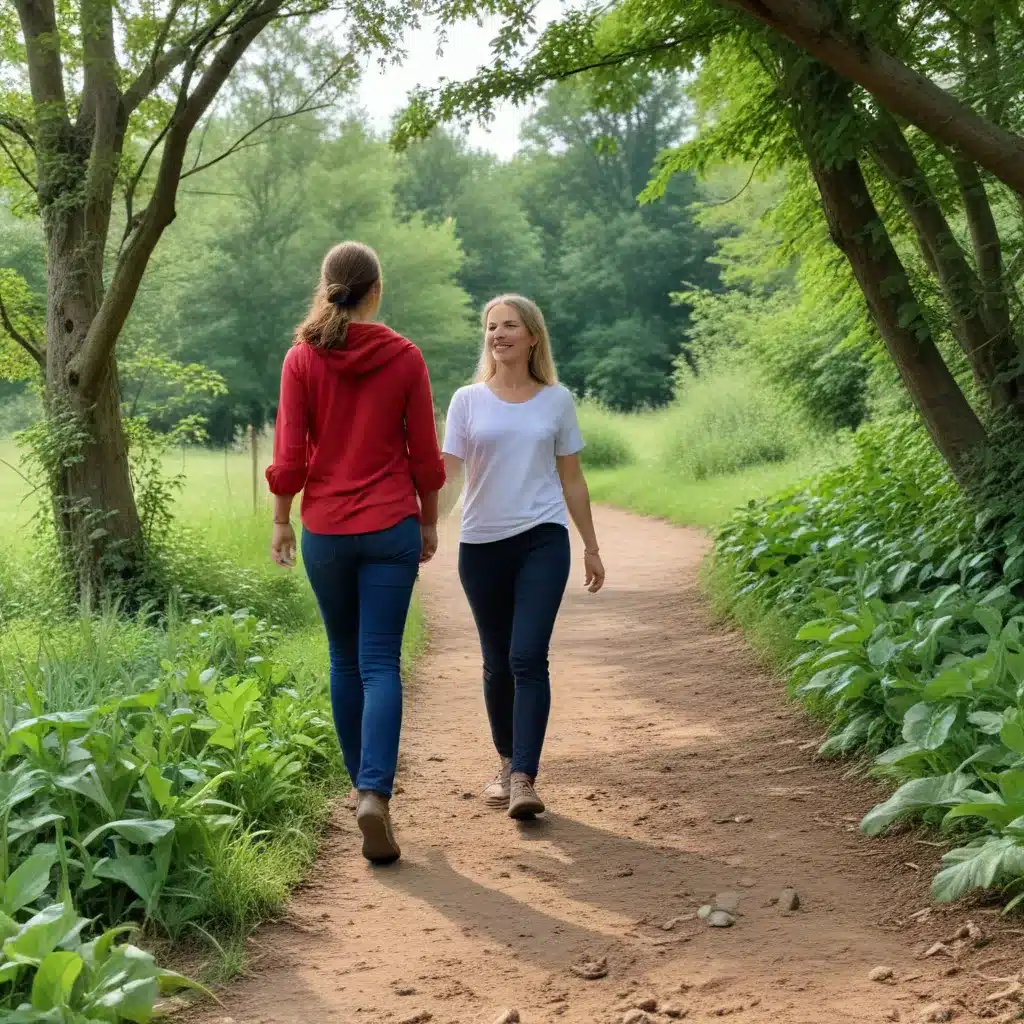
x,y
383,92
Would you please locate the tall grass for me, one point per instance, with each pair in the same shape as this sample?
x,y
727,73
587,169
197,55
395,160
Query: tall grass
x,y
727,439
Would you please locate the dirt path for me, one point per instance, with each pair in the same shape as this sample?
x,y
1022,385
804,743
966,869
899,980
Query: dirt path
x,y
662,726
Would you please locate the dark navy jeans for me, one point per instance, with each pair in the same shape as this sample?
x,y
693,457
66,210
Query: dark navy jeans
x,y
363,583
515,588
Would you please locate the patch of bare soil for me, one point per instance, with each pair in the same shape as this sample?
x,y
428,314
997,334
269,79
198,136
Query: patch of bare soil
x,y
676,777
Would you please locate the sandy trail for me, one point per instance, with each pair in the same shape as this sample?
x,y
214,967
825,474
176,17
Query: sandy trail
x,y
662,726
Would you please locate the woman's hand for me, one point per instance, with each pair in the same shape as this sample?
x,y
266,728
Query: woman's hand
x,y
595,571
429,537
282,545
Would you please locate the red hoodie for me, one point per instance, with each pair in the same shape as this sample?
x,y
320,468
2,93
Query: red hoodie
x,y
355,432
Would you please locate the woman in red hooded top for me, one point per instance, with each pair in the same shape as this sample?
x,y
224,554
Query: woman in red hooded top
x,y
356,434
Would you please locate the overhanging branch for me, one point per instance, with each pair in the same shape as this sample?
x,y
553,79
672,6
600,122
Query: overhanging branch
x,y
18,127
22,173
91,363
33,350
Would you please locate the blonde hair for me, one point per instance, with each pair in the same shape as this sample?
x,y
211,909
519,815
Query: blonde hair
x,y
348,274
542,361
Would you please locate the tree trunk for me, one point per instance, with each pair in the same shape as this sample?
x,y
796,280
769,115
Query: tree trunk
x,y
985,339
97,520
858,231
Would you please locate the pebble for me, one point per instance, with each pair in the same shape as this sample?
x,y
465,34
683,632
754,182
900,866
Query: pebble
x,y
747,883
417,1018
507,1017
649,1004
881,974
405,990
789,900
674,1012
893,1014
720,919
635,1017
727,901
936,1012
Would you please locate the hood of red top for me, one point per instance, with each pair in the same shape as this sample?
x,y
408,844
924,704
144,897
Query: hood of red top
x,y
367,347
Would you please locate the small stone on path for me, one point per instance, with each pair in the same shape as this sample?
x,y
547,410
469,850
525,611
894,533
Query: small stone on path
x,y
936,1012
789,900
507,1017
417,1018
881,974
720,919
634,1017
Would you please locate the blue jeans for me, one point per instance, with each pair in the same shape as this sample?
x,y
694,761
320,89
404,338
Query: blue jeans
x,y
363,583
515,589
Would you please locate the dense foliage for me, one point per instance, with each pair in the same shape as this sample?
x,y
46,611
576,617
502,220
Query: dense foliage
x,y
166,791
912,624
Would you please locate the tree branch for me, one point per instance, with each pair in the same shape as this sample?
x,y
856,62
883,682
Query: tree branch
x,y
813,28
46,80
305,107
17,166
33,350
91,363
18,127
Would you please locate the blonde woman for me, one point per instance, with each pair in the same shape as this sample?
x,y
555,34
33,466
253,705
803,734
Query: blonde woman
x,y
515,434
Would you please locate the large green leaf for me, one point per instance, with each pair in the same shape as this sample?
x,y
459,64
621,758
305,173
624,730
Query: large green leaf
x,y
87,783
43,933
55,979
928,725
141,831
28,881
18,785
977,866
138,873
916,795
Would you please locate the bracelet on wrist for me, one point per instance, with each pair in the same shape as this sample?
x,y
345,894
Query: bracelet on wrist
x,y
282,522
592,551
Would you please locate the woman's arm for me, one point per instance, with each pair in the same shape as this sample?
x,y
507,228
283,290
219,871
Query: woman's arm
x,y
424,455
286,475
453,469
577,500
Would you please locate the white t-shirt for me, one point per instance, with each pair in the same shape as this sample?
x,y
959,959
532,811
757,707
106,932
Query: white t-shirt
x,y
509,450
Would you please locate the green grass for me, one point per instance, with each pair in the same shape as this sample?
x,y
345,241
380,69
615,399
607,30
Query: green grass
x,y
719,446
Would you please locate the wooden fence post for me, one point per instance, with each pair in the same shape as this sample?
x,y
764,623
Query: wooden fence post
x,y
253,448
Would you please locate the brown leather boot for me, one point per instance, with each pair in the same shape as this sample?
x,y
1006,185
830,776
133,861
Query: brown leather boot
x,y
374,820
524,802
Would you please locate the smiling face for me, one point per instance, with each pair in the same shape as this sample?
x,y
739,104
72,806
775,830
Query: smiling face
x,y
506,336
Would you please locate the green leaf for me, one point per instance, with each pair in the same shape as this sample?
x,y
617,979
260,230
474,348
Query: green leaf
x,y
43,933
881,652
55,978
141,831
18,785
987,722
928,725
991,620
138,873
1012,732
953,682
916,795
28,881
87,783
819,630
977,867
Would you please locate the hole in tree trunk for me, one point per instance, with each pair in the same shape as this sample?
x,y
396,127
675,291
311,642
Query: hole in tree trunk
x,y
73,379
69,325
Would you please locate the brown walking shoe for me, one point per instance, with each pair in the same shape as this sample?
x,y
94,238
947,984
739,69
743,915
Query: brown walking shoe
x,y
496,793
374,820
523,800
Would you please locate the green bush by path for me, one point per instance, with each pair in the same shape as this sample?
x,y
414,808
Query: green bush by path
x,y
906,606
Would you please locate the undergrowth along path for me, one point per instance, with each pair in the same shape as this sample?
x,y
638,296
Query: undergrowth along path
x,y
676,776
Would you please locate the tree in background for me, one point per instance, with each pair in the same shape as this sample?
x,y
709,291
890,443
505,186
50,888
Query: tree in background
x,y
561,223
100,104
892,199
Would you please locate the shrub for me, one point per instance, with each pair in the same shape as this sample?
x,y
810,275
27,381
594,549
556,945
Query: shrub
x,y
606,444
726,420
